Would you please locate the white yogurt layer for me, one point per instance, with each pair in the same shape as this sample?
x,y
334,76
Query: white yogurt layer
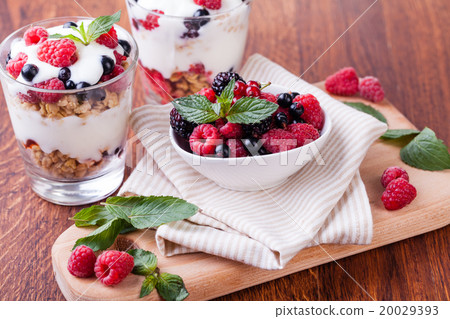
x,y
220,45
82,138
88,68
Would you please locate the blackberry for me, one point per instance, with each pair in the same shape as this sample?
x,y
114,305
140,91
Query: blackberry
x,y
257,129
181,126
222,79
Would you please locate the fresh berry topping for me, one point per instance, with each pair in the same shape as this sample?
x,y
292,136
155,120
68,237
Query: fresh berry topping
x,y
82,262
109,39
254,83
313,113
70,85
294,94
158,84
82,85
126,46
209,93
240,88
392,173
58,53
285,111
113,266
15,65
254,146
181,126
222,79
107,64
278,140
151,20
343,82
119,57
297,121
120,84
34,35
398,194
257,129
370,89
29,71
219,123
304,133
204,139
237,148
64,74
70,24
284,100
52,84
296,110
252,91
222,150
198,68
190,34
197,22
232,130
30,97
210,4
281,120
269,97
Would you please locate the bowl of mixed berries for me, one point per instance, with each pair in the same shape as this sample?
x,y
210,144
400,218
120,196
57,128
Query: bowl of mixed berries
x,y
248,136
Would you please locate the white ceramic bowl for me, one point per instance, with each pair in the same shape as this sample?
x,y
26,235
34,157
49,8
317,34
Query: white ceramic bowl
x,y
254,173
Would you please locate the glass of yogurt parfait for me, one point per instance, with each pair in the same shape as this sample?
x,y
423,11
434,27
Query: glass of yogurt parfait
x,y
68,87
184,43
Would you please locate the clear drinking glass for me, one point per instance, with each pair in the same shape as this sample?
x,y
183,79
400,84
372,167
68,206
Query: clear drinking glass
x,y
181,55
74,147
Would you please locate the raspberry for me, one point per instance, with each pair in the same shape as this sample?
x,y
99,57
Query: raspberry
x,y
81,262
313,113
278,140
392,173
35,34
257,129
398,194
30,97
222,79
220,123
343,82
198,68
370,89
269,97
58,53
52,84
209,93
237,148
151,20
204,139
120,84
113,266
210,4
181,126
119,57
15,65
109,39
304,133
231,130
158,84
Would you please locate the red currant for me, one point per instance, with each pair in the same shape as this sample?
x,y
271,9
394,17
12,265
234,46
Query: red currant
x,y
236,97
253,91
253,83
239,88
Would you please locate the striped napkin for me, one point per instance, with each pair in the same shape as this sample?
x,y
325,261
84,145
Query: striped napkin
x,y
320,204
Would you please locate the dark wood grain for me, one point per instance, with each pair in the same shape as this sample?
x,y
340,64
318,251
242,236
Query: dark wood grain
x,y
404,43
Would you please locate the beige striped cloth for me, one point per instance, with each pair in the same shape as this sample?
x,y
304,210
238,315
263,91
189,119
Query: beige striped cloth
x,y
320,204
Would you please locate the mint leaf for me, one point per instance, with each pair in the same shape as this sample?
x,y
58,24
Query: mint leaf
x,y
217,109
196,108
171,287
226,98
103,237
101,25
426,152
68,36
148,285
248,110
367,109
144,262
92,216
395,134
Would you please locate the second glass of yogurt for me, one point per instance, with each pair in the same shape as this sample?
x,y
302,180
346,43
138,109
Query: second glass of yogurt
x,y
183,44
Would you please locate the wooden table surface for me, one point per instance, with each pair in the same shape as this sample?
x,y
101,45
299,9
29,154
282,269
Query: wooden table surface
x,y
404,43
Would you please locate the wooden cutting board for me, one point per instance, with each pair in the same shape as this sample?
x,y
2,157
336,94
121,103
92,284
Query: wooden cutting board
x,y
207,276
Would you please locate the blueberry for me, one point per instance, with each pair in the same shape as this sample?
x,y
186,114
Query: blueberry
x,y
70,85
202,13
222,150
69,24
294,95
82,96
29,71
8,57
64,74
82,85
296,110
196,22
254,146
281,120
126,47
108,64
191,34
298,121
284,100
98,95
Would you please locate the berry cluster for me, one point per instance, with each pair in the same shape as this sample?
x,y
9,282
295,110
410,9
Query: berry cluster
x,y
345,82
399,192
111,267
297,121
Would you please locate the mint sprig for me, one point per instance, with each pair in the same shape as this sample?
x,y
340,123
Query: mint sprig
x,y
96,28
170,287
246,110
